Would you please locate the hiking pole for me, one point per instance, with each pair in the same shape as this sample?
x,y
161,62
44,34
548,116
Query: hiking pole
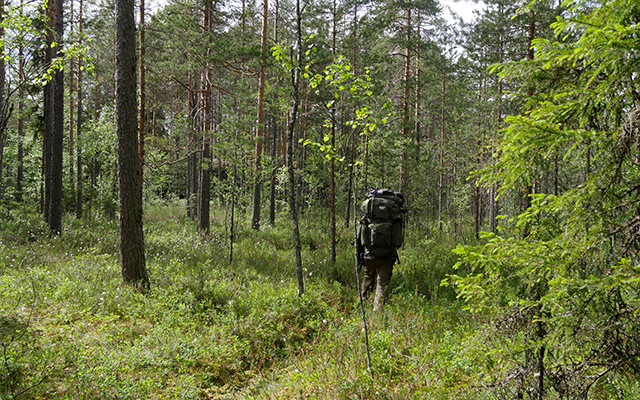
x,y
364,319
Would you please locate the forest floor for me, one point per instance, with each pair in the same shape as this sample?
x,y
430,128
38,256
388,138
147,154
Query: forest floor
x,y
210,329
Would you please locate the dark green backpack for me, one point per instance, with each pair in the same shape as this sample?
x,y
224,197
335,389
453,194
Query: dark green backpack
x,y
381,228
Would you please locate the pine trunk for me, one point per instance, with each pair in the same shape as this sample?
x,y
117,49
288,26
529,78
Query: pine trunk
x,y
132,251
79,192
255,218
143,98
442,132
57,132
404,174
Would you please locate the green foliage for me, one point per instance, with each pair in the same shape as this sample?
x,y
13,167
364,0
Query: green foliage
x,y
208,329
561,278
26,24
347,90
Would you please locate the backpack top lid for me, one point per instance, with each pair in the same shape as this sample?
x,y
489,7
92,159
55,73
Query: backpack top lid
x,y
375,192
388,194
383,204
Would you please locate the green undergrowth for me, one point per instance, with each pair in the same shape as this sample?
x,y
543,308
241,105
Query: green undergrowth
x,y
211,329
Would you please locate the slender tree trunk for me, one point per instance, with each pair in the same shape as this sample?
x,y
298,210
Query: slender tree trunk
x,y
57,136
72,181
274,167
143,94
417,117
154,121
353,188
192,161
205,184
333,147
132,252
204,191
48,118
233,198
494,203
541,331
79,193
529,190
442,132
3,99
404,174
274,134
255,219
93,165
476,199
555,174
20,175
290,143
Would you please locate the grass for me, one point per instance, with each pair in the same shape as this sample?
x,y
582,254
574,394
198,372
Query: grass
x,y
70,329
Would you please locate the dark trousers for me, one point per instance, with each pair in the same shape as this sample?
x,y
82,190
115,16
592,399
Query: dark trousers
x,y
378,270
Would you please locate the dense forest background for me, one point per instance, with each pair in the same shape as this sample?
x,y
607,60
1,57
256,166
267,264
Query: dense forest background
x,y
212,155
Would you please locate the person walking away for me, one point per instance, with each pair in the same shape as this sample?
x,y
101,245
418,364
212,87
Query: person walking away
x,y
379,235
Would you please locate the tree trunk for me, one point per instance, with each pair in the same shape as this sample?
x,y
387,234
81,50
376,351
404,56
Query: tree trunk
x,y
476,198
417,116
255,218
57,132
3,100
274,168
48,118
20,175
79,183
290,143
132,252
404,174
192,161
442,131
72,181
204,192
234,184
352,189
143,98
274,133
205,184
333,148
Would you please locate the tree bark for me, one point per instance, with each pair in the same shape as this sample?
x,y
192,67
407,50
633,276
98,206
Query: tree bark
x,y
72,67
192,161
205,184
232,226
442,132
274,133
274,167
204,192
404,173
132,252
3,100
20,175
290,143
255,218
143,98
333,146
79,183
57,132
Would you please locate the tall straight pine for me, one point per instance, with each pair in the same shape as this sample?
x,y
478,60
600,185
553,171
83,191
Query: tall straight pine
x,y
129,189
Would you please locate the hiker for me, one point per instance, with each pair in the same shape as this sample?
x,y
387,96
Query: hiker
x,y
379,234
